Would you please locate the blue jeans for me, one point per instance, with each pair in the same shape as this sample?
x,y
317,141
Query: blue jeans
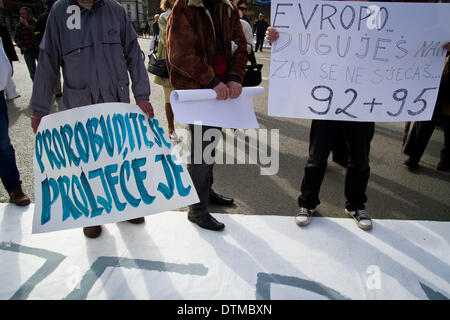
x,y
9,173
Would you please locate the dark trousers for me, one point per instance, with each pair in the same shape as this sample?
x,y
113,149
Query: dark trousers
x,y
31,56
420,135
9,173
259,41
201,171
322,138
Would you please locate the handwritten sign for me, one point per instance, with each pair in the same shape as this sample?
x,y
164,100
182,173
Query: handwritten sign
x,y
104,163
357,61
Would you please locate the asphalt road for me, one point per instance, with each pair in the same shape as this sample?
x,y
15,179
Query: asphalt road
x,y
393,191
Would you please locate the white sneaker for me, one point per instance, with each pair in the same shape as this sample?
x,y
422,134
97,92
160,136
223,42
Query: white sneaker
x,y
361,218
304,217
174,137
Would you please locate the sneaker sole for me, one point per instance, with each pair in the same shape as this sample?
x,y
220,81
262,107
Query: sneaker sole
x,y
366,228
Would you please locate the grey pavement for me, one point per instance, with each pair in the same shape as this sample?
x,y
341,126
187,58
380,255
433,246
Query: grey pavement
x,y
393,191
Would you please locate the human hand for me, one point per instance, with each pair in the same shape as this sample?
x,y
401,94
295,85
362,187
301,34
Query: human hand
x,y
35,121
24,21
446,46
222,91
272,35
235,89
146,107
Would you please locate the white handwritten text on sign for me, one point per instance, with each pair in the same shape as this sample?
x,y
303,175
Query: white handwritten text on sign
x,y
104,163
357,61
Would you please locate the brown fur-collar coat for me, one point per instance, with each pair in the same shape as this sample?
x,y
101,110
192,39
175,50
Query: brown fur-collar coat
x,y
191,44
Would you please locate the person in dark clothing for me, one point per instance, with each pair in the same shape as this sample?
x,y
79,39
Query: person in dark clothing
x,y
8,45
39,34
42,21
324,135
26,41
422,131
155,27
260,29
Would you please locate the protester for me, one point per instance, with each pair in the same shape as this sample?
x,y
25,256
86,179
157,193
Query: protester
x,y
422,130
39,34
155,33
199,57
246,28
9,173
243,7
26,41
260,29
146,29
321,140
166,6
10,89
92,74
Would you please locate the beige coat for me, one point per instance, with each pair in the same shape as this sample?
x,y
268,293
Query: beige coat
x,y
161,53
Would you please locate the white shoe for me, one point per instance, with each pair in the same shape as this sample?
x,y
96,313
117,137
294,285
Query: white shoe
x,y
304,217
174,137
361,218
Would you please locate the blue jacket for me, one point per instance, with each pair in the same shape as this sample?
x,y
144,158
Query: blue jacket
x,y
95,48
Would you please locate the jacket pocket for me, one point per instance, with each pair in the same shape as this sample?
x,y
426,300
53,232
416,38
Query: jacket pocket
x,y
76,97
123,91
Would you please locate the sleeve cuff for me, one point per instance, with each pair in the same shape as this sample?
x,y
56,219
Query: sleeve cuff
x,y
233,77
214,82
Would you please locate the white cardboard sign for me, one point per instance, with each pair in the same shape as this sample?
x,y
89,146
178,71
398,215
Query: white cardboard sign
x,y
357,61
104,163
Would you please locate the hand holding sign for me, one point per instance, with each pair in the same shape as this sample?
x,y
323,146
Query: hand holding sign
x,y
353,62
106,164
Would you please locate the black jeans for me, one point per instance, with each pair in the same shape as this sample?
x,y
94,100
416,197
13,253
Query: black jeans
x,y
201,171
259,41
322,138
420,135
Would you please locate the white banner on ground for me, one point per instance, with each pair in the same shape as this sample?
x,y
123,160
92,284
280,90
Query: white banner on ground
x,y
104,163
201,105
357,61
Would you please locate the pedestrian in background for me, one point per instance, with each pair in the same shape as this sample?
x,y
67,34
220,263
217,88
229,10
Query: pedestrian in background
x,y
166,6
26,41
422,131
39,34
260,29
9,173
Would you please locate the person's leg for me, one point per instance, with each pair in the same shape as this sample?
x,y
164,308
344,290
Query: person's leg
x,y
320,143
444,163
340,148
417,141
201,173
30,60
359,136
9,173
